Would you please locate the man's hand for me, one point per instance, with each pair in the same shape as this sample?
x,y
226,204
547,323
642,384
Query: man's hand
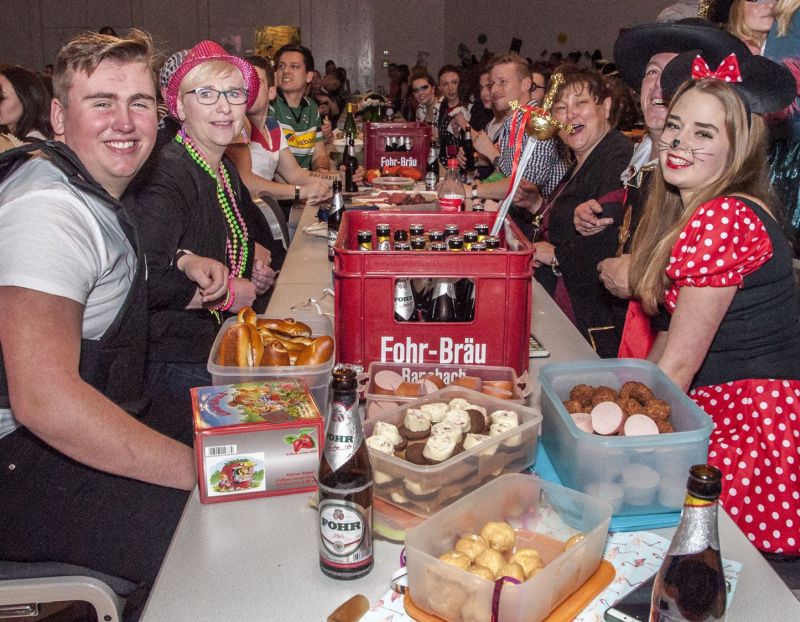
x,y
210,275
462,159
460,121
586,218
315,190
527,196
484,145
614,275
358,175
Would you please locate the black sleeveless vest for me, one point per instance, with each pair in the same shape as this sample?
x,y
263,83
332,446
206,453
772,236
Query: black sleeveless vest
x,y
115,363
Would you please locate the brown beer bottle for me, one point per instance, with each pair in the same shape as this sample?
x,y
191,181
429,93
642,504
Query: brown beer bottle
x,y
690,585
443,303
345,486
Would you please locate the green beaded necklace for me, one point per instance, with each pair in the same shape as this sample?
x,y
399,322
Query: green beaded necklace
x,y
236,242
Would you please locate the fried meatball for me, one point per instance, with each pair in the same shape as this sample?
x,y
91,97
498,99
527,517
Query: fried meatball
x,y
636,390
656,409
604,394
664,426
582,393
629,406
574,406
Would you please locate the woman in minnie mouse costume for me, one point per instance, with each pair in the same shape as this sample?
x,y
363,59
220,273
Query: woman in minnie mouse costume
x,y
710,249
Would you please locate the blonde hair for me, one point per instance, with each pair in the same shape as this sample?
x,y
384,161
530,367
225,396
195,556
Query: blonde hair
x,y
204,73
738,28
665,215
784,11
85,52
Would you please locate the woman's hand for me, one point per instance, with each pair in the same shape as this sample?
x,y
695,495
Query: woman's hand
x,y
543,255
263,276
210,275
244,291
460,121
262,254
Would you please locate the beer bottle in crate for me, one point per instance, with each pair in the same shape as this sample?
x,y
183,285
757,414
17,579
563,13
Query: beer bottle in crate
x,y
335,216
404,306
345,486
443,303
691,583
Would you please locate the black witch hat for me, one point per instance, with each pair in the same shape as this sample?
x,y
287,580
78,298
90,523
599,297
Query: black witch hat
x,y
636,46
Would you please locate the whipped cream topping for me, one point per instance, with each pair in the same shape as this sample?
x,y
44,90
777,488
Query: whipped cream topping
x,y
458,417
388,430
439,448
447,429
417,420
437,411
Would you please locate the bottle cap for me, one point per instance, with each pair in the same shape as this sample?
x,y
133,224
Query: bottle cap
x,y
452,163
705,482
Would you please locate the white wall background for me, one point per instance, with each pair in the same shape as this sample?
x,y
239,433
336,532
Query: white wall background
x,y
354,33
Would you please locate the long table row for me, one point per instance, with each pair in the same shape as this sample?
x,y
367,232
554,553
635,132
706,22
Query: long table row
x,y
256,560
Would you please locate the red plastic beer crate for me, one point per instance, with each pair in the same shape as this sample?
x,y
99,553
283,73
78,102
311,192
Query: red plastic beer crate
x,y
376,156
366,329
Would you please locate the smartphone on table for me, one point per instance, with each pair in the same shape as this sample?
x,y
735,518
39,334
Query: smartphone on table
x,y
536,349
634,606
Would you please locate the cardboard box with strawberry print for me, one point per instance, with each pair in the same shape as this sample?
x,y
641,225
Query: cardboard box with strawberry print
x,y
256,439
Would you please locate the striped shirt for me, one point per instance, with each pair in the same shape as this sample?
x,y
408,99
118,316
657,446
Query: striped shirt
x,y
545,168
301,126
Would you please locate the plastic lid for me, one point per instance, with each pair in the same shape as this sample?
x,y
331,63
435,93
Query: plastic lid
x,y
452,163
705,482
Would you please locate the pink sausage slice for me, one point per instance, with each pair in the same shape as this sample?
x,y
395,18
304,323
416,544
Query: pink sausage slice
x,y
583,421
640,425
607,418
386,381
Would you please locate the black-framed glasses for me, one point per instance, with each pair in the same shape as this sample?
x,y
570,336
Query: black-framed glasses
x,y
208,96
538,86
763,1
419,89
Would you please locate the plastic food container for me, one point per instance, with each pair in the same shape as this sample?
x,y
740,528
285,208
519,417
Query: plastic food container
x,y
380,402
636,475
544,516
317,377
424,489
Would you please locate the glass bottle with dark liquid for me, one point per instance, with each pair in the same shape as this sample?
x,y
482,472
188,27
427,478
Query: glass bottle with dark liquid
x,y
345,486
690,586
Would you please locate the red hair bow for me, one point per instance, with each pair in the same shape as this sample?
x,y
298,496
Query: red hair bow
x,y
728,70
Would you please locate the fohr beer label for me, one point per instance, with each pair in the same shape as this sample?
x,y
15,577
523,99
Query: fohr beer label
x,y
343,437
345,530
403,299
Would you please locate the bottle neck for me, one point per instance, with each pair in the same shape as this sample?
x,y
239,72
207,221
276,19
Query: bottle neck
x,y
697,529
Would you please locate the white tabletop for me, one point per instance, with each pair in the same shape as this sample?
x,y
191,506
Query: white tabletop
x,y
257,560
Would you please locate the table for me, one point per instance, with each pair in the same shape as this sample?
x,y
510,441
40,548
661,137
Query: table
x,y
256,560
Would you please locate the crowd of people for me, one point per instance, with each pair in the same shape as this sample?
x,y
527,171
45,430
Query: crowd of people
x,y
128,223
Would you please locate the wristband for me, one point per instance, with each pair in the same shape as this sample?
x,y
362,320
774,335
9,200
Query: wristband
x,y
496,162
297,193
180,254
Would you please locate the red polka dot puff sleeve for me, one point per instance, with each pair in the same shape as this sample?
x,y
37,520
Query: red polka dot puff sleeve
x,y
723,242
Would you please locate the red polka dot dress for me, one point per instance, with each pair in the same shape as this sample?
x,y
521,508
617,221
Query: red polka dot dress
x,y
749,382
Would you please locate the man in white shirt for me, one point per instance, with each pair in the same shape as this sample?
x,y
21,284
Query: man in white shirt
x,y
86,475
